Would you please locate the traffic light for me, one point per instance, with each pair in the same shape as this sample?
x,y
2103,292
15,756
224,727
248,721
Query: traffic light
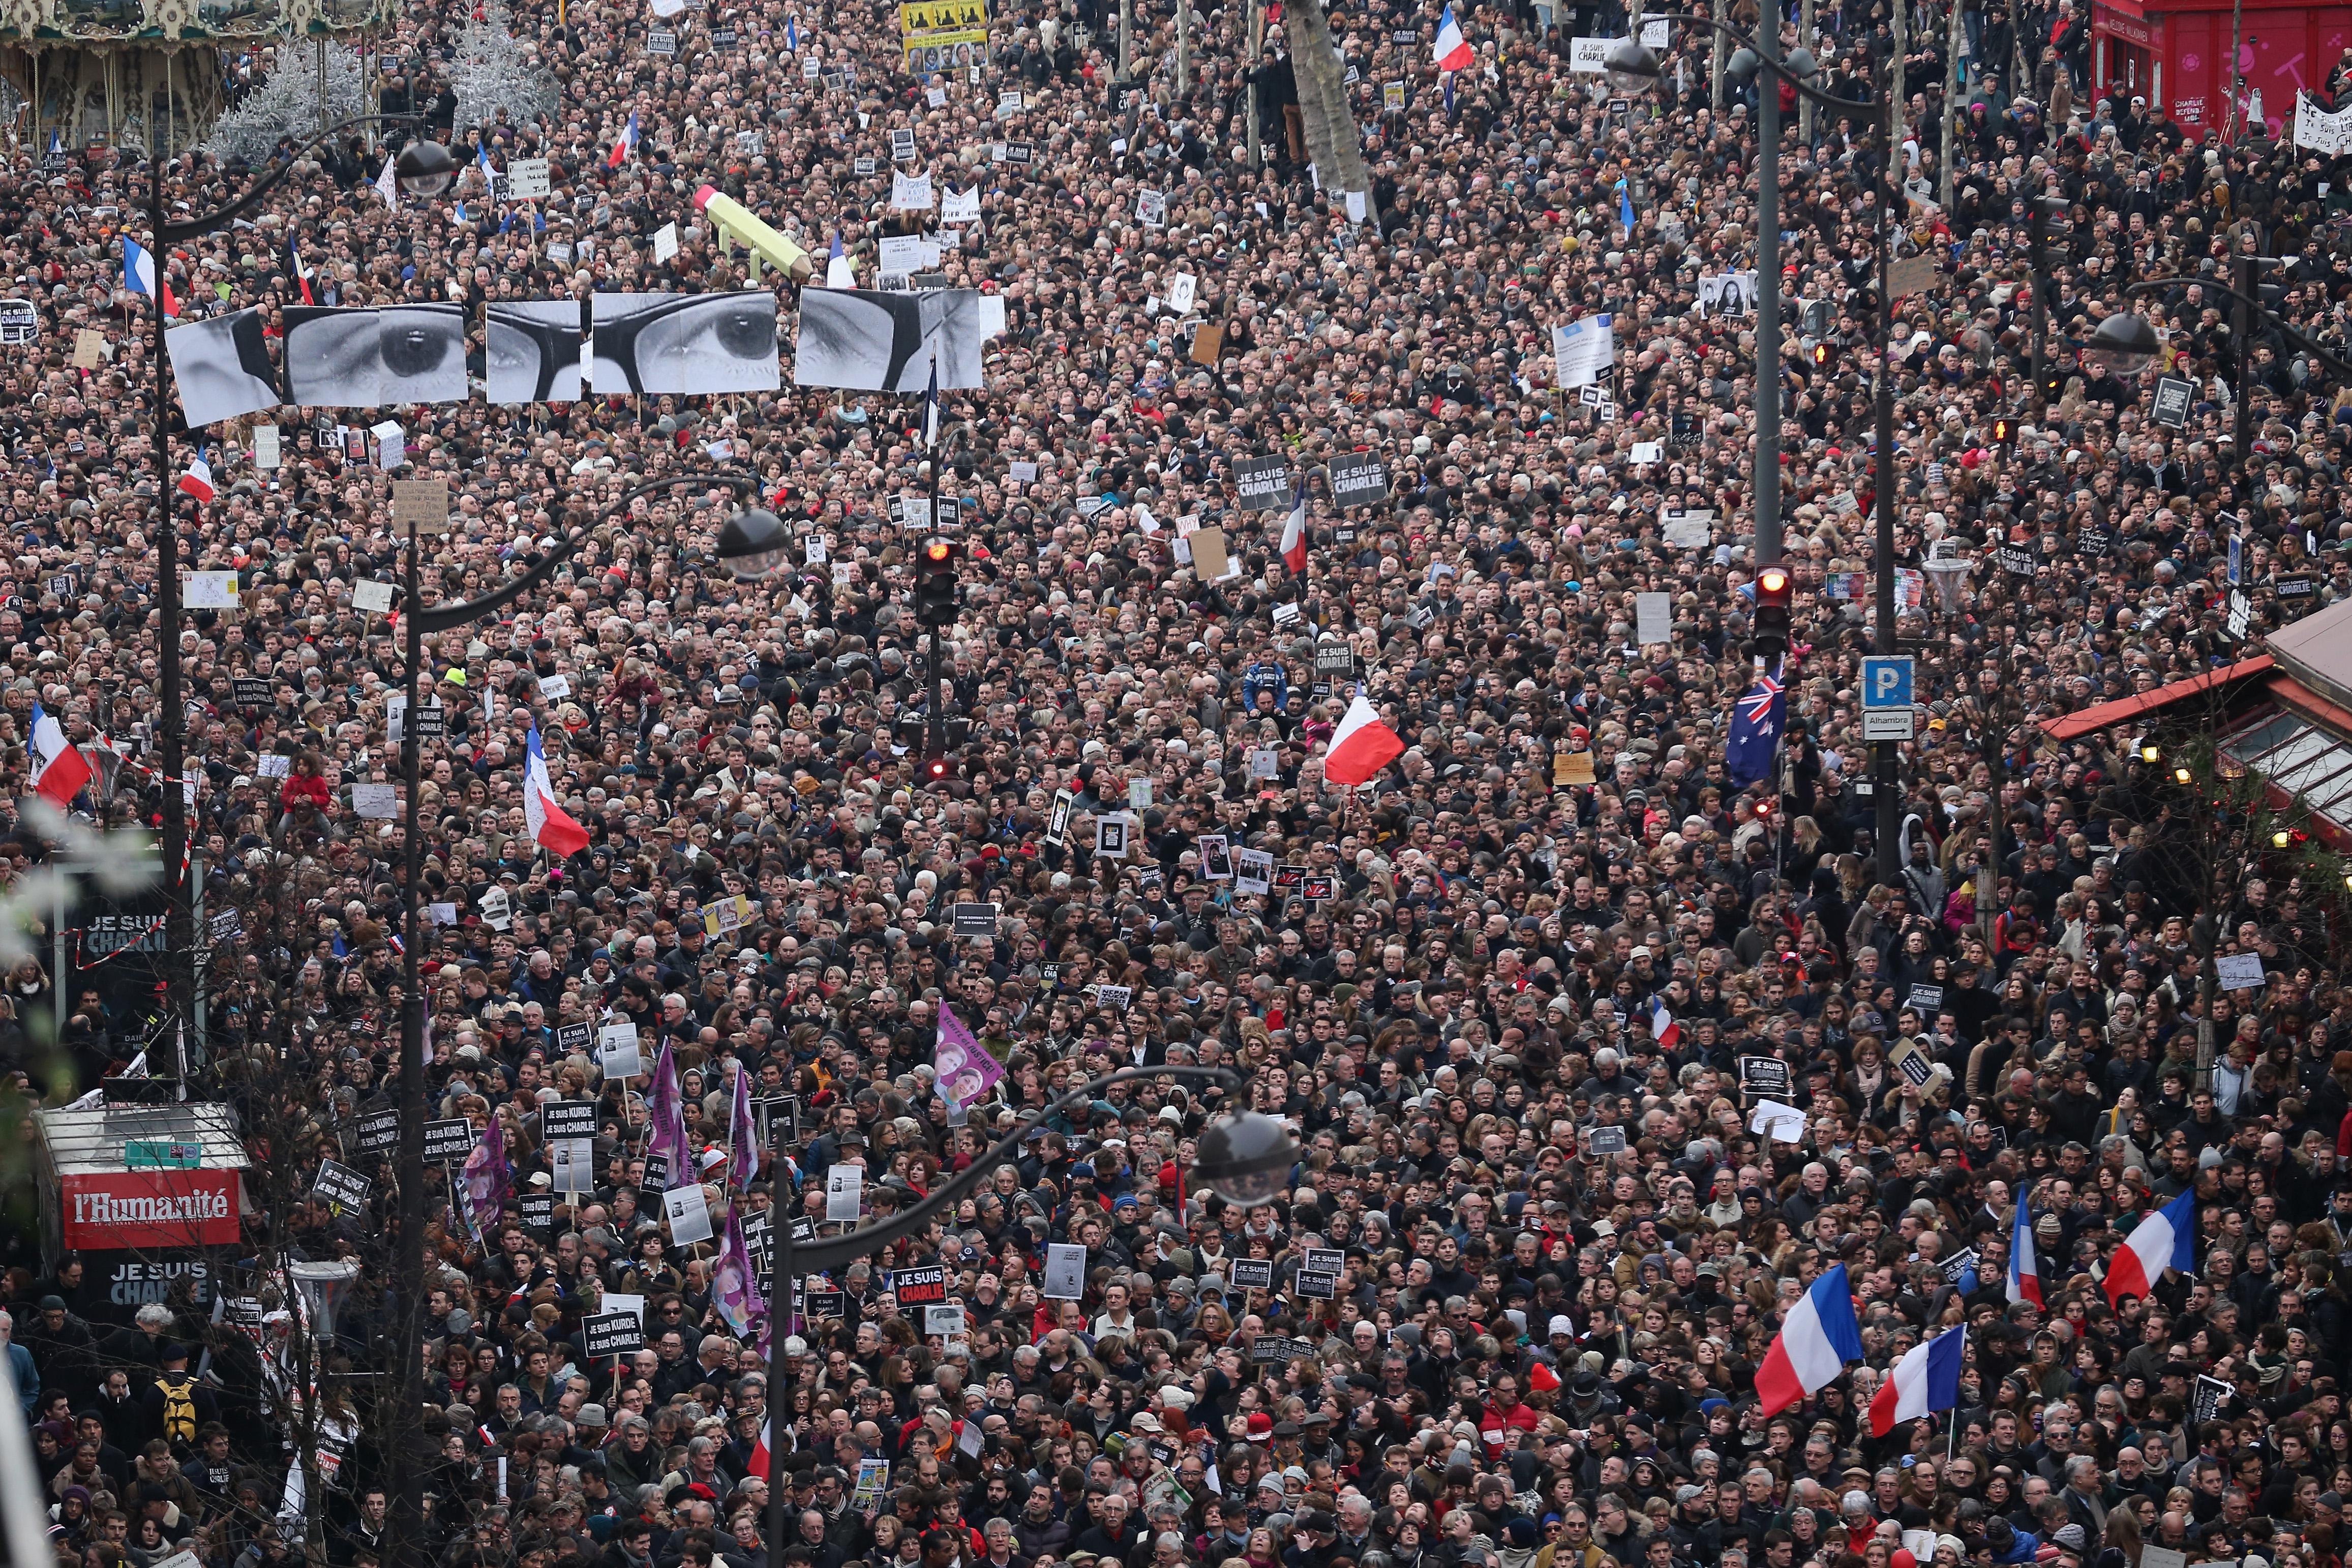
x,y
2004,431
1772,595
937,768
1821,352
937,583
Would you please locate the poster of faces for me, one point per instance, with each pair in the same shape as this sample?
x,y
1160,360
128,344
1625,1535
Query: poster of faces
x,y
222,367
376,358
531,352
687,345
864,341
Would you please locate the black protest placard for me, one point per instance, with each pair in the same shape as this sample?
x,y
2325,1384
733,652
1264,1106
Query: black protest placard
x,y
251,693
1358,481
341,1186
765,1112
975,920
1261,484
1335,658
1321,1259
2017,560
1274,1349
826,1304
612,1335
539,1213
2173,397
567,1118
451,1140
1763,1077
920,1285
1252,1273
570,1037
376,1132
1605,1141
1315,1286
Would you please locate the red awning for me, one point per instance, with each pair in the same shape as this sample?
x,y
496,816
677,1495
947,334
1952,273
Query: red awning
x,y
2106,715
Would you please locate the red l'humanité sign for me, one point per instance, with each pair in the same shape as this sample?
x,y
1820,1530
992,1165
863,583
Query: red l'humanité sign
x,y
109,1212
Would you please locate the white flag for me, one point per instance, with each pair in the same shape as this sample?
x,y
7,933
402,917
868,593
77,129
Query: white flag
x,y
387,187
910,193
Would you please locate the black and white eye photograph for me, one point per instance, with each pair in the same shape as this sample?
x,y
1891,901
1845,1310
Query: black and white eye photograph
x,y
222,367
531,352
656,345
863,340
376,358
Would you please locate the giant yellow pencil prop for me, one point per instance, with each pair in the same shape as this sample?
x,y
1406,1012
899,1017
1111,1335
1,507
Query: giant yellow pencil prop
x,y
736,224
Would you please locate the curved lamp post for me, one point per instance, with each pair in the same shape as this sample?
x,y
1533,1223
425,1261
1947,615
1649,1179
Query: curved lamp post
x,y
2126,344
1244,1157
1632,67
751,543
423,168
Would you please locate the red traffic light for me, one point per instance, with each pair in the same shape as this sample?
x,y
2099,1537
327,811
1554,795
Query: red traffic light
x,y
939,549
1772,583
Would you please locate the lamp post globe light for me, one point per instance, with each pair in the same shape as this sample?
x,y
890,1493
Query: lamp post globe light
x,y
425,168
754,543
1245,1158
2124,342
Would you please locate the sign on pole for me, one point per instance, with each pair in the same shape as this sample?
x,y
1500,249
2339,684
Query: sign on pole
x,y
1887,713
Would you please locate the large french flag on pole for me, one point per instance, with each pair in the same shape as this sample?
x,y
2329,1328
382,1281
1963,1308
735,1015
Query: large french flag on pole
x,y
1816,1343
551,825
1453,52
1927,1379
2165,1239
2024,1265
626,144
1361,746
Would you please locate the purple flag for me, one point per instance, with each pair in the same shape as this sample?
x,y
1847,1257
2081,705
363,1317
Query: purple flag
x,y
668,1121
966,1070
742,1135
735,1284
484,1179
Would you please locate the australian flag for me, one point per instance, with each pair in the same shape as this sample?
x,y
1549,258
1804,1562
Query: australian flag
x,y
1756,725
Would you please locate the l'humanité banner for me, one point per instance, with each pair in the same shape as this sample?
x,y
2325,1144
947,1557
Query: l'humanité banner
x,y
110,1211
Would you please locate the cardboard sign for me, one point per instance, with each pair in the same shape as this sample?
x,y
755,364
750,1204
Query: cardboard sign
x,y
1916,1068
945,1320
1114,998
341,1186
421,504
1252,1273
451,1140
612,1335
921,1284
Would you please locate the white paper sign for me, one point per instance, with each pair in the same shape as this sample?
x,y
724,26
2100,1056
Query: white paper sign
x,y
2319,130
1648,451
554,688
901,253
665,246
1254,871
961,206
527,179
910,193
1181,292
210,591
1654,36
1590,56
572,1168
376,801
1654,617
1583,350
689,1214
265,447
617,1052
1782,1123
991,316
374,599
2239,970
1066,1271
844,1189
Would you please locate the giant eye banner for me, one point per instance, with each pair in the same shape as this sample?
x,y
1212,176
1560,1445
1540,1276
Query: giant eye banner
x,y
686,345
531,352
222,367
864,341
375,359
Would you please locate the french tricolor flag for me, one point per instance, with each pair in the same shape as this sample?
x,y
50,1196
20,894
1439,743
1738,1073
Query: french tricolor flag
x,y
627,144
198,480
1454,51
1663,1028
301,273
1816,1341
549,823
60,769
2025,1267
1294,530
1361,746
2165,1239
1927,1379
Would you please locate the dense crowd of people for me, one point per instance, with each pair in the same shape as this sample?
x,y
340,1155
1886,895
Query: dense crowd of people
x,y
1502,994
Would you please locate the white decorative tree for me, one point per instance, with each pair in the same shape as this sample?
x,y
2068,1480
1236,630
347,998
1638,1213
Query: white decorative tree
x,y
495,71
298,101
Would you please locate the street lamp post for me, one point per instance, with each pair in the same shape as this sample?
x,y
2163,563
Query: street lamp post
x,y
1245,1158
752,544
417,169
1631,67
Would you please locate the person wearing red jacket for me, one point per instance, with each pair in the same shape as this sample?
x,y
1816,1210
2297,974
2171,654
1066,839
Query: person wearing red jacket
x,y
305,791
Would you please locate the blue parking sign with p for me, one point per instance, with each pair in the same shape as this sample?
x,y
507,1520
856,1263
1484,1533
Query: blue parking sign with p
x,y
1887,683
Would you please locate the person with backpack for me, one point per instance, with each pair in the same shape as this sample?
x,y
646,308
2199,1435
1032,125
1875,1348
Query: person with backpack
x,y
178,1405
